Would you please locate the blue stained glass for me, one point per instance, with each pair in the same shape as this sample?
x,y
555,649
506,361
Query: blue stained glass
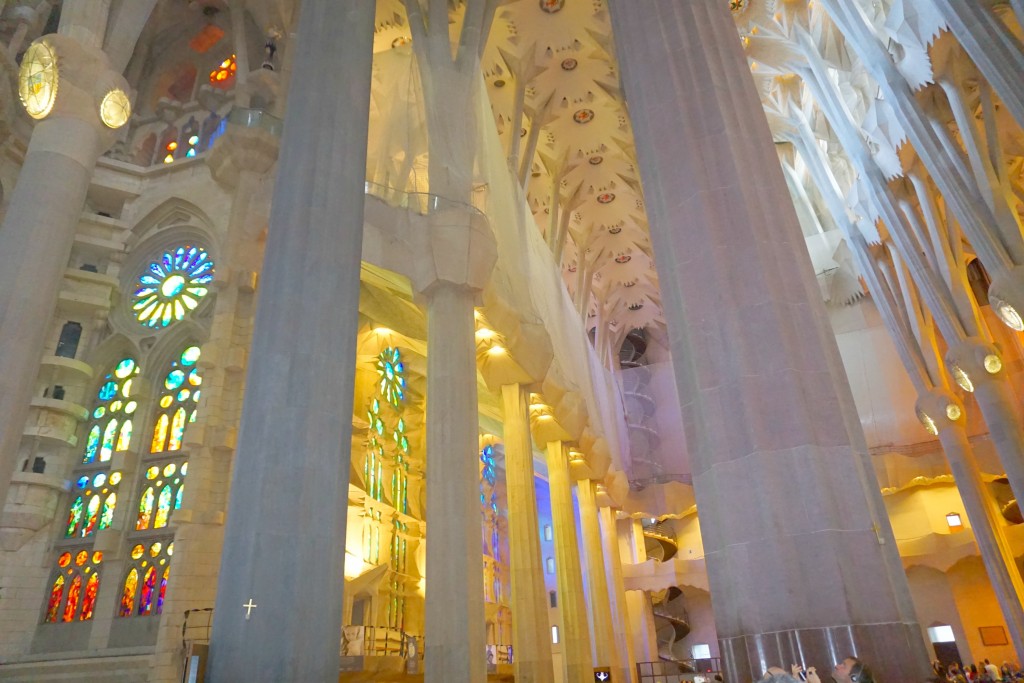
x,y
83,481
108,391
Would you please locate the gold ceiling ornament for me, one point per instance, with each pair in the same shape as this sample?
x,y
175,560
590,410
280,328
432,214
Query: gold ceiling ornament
x,y
738,6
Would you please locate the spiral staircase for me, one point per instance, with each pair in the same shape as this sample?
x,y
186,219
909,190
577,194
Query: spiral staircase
x,y
639,408
672,623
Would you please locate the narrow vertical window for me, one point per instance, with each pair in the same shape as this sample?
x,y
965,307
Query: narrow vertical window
x,y
131,584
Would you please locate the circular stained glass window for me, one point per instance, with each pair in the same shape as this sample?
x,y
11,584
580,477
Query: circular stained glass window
x,y
81,557
64,559
37,80
172,286
115,109
137,551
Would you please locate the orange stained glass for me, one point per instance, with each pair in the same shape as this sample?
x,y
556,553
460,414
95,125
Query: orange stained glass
x,y
159,435
224,72
177,430
131,584
74,593
92,587
56,594
64,560
145,509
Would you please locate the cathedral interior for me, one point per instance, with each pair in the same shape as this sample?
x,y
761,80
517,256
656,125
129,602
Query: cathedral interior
x,y
689,333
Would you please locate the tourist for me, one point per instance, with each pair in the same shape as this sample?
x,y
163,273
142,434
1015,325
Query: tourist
x,y
993,671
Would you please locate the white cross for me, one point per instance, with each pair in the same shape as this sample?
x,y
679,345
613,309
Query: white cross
x,y
249,606
602,676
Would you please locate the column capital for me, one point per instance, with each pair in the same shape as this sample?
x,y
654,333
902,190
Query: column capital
x,y
458,249
79,85
1006,294
249,144
939,409
973,361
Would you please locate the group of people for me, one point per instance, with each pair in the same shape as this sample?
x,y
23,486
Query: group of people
x,y
849,670
985,672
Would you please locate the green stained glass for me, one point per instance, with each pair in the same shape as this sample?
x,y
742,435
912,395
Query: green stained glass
x,y
177,430
74,517
107,447
107,515
145,509
379,426
92,443
177,497
99,412
91,516
390,373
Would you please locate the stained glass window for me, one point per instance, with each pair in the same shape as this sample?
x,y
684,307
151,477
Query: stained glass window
x,y
113,404
131,585
224,74
172,285
76,583
146,595
391,373
56,596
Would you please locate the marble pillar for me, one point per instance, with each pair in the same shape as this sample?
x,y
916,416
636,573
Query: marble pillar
x,y
617,591
605,645
285,531
531,644
576,651
39,226
455,646
801,560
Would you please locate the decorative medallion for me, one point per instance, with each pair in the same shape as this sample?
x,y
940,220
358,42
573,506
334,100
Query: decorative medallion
x,y
552,6
38,79
572,268
596,160
614,231
623,258
400,41
606,198
172,285
635,307
583,116
568,64
738,6
631,283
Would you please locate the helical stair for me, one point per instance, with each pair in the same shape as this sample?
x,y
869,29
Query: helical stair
x,y
672,623
639,408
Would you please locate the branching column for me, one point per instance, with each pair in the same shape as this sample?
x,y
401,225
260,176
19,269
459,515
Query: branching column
x,y
767,412
278,614
531,643
616,584
572,602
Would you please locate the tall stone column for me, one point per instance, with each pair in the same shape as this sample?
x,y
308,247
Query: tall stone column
x,y
455,647
279,596
801,559
572,603
39,227
531,645
945,411
620,613
459,253
606,647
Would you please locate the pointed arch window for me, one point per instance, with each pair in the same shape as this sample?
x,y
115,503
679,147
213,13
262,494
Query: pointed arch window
x,y
74,586
144,587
